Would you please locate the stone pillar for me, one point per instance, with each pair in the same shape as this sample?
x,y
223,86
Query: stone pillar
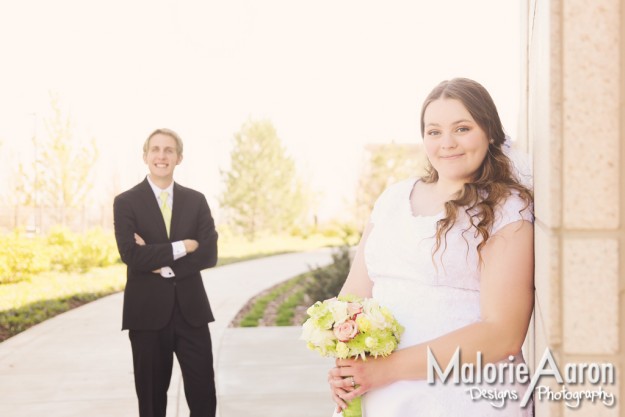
x,y
575,128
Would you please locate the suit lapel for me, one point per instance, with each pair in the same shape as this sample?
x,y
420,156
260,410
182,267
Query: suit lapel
x,y
152,209
177,212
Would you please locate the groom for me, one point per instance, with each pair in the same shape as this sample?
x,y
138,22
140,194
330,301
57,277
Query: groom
x,y
166,235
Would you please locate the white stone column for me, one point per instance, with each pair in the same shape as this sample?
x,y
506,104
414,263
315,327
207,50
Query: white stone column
x,y
575,127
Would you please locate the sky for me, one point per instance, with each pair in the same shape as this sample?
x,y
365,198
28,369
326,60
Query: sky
x,y
332,76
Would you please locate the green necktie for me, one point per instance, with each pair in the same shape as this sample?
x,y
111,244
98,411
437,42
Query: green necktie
x,y
166,210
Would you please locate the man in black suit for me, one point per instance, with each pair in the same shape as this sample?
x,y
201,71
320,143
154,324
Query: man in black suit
x,y
166,235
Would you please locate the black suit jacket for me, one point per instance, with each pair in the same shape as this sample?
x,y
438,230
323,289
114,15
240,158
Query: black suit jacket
x,y
148,297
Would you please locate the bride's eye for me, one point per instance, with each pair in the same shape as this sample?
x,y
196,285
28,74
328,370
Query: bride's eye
x,y
433,132
462,129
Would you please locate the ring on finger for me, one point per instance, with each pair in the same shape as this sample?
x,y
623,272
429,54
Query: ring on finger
x,y
353,382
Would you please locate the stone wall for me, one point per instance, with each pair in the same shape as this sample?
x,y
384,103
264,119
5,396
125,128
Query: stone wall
x,y
574,121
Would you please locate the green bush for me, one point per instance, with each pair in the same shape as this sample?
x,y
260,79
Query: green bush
x,y
96,248
63,245
73,252
21,257
326,282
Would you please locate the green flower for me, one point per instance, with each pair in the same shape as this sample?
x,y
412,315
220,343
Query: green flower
x,y
325,322
371,343
364,324
321,315
342,351
350,298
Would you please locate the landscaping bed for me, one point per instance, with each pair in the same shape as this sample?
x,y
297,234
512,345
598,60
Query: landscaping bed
x,y
285,304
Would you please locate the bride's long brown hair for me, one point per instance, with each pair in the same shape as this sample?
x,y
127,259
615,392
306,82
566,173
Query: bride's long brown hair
x,y
493,181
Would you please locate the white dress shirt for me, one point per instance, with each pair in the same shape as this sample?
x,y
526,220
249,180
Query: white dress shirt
x,y
178,247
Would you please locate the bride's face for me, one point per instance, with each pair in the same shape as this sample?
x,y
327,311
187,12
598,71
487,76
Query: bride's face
x,y
454,143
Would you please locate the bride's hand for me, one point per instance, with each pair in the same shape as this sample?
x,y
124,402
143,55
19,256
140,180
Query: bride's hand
x,y
339,387
363,375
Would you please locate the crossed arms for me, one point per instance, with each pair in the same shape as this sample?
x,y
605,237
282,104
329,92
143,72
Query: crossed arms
x,y
135,240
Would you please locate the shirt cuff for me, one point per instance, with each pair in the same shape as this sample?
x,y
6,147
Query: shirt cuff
x,y
167,272
179,249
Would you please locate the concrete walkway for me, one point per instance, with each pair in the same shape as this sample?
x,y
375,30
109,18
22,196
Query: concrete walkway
x,y
267,371
79,363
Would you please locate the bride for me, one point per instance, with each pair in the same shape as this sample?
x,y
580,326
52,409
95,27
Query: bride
x,y
451,255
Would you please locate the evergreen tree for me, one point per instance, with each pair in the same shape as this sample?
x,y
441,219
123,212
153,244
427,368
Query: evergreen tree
x,y
263,192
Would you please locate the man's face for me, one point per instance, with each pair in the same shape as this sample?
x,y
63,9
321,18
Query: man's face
x,y
162,157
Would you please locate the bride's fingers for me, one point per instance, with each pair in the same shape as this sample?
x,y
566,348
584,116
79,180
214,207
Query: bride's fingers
x,y
347,371
335,372
342,383
344,362
344,372
357,392
337,396
348,383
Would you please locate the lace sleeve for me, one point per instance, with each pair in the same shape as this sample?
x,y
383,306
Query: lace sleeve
x,y
512,210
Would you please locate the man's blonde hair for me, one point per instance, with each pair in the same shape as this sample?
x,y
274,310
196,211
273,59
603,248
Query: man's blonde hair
x,y
163,131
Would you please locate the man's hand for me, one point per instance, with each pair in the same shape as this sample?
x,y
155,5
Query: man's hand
x,y
139,241
190,245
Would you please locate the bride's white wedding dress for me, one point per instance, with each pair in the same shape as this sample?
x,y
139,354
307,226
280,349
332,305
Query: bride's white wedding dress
x,y
430,300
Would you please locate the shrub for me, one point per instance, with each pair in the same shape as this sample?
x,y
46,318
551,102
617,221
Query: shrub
x,y
21,257
63,244
327,282
72,252
96,248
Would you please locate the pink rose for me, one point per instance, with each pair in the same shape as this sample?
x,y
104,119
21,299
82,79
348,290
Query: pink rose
x,y
346,330
354,309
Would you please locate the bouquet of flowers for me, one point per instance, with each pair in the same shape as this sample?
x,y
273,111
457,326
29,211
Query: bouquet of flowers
x,y
351,327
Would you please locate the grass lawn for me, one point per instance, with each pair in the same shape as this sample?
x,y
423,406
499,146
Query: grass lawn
x,y
26,303
236,249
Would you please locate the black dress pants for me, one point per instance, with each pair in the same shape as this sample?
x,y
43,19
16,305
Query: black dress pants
x,y
152,354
